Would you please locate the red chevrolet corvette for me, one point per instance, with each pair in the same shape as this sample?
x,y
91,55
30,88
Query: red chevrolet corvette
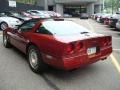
x,y
61,44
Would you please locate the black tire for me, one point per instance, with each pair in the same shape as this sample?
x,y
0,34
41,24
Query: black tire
x,y
3,25
37,65
6,42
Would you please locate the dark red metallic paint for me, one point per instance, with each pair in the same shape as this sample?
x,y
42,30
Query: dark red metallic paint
x,y
59,51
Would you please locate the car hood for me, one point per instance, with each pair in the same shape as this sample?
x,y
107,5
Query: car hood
x,y
7,19
76,37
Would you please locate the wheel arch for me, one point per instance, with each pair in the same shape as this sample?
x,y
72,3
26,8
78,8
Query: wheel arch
x,y
29,44
3,22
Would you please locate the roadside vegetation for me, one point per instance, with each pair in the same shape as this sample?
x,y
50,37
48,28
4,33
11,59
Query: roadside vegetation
x,y
111,6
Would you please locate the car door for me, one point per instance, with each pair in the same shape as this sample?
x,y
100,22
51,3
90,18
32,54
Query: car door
x,y
20,37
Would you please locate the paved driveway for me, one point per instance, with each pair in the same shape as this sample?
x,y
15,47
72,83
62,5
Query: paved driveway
x,y
15,73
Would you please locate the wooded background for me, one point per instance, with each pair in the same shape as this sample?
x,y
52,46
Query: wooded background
x,y
111,6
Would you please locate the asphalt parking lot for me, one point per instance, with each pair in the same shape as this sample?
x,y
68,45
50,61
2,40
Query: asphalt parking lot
x,y
15,73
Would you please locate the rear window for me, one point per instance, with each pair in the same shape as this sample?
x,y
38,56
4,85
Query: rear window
x,y
64,27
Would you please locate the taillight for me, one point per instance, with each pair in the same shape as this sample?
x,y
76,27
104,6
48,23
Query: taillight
x,y
73,47
69,48
79,45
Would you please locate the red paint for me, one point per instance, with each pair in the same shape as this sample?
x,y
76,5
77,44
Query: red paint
x,y
66,52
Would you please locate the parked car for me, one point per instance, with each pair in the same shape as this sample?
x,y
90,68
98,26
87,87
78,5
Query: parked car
x,y
104,17
61,44
38,13
107,19
53,14
20,16
6,21
113,20
27,14
67,15
58,15
84,16
118,25
17,15
97,15
93,16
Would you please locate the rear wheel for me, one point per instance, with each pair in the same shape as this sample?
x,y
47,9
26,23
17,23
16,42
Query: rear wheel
x,y
35,59
3,25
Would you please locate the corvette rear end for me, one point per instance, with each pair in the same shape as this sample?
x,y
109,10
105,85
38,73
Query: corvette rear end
x,y
79,53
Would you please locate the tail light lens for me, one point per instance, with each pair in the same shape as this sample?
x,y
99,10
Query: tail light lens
x,y
79,45
70,48
73,47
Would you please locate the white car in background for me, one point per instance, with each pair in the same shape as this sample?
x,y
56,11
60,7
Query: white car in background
x,y
98,16
67,15
54,14
40,14
118,25
58,14
6,21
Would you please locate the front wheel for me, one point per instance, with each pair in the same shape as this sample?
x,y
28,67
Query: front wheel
x,y
3,25
6,41
35,59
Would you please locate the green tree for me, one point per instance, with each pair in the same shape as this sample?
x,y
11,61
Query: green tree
x,y
112,5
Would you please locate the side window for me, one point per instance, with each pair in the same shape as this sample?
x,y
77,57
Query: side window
x,y
27,26
43,30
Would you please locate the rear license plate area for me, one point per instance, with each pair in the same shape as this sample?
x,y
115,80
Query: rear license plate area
x,y
91,50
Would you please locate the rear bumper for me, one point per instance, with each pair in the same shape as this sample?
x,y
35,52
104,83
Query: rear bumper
x,y
84,60
77,61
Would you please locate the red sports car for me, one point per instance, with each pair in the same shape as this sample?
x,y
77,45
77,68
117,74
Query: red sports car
x,y
61,44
